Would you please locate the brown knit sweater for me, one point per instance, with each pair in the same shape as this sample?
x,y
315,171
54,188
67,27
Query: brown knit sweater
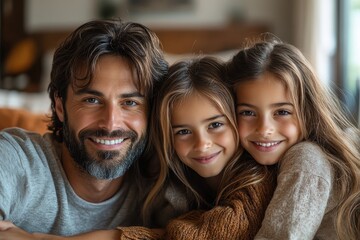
x,y
239,217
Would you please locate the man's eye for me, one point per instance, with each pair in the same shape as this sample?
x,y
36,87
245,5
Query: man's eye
x,y
92,100
215,125
130,103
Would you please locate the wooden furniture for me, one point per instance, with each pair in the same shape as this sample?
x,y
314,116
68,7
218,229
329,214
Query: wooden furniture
x,y
175,41
180,40
206,40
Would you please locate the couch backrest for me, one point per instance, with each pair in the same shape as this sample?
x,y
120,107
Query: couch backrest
x,y
11,117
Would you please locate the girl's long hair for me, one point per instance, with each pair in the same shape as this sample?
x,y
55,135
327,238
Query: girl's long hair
x,y
203,76
321,117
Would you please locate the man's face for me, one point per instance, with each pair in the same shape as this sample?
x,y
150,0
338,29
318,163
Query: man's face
x,y
105,123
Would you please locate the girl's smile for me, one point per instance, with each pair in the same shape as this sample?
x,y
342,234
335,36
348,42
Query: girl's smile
x,y
267,122
207,159
203,138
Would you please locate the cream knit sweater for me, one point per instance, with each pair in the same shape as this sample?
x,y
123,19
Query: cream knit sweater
x,y
303,203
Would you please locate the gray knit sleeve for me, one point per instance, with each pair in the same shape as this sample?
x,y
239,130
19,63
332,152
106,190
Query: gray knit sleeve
x,y
300,201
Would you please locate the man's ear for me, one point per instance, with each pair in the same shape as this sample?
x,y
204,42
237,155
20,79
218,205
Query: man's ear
x,y
59,108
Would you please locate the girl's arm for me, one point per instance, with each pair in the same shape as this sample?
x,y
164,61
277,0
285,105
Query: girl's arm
x,y
237,218
302,195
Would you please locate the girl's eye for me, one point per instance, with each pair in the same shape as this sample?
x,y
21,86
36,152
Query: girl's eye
x,y
215,125
283,112
183,132
246,113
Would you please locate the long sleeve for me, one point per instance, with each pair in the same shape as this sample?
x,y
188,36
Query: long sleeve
x,y
236,218
135,233
302,202
170,203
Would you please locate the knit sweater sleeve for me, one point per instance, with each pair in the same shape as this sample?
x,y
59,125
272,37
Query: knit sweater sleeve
x,y
137,232
236,218
301,197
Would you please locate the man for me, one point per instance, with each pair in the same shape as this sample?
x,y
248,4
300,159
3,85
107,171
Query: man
x,y
82,176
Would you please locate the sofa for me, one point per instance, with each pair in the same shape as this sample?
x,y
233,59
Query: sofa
x,y
16,117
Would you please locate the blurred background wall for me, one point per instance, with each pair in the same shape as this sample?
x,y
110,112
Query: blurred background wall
x,y
325,30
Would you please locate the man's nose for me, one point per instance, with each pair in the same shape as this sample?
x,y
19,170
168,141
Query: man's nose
x,y
111,117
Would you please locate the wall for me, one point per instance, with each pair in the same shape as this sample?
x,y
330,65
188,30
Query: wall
x,y
57,15
67,14
278,13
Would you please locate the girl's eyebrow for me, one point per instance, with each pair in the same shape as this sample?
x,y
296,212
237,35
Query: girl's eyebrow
x,y
204,121
280,104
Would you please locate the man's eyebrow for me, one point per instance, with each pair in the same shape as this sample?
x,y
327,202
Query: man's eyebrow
x,y
87,91
97,93
133,94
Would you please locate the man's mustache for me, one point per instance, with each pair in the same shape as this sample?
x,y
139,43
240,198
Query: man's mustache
x,y
104,133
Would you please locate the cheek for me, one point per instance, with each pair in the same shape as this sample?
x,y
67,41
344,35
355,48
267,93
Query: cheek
x,y
139,123
80,125
227,140
292,131
243,129
181,148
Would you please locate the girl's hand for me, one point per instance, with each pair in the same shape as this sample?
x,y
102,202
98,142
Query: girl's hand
x,y
9,231
5,225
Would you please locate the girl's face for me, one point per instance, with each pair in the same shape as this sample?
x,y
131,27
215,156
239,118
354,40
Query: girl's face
x,y
203,137
267,122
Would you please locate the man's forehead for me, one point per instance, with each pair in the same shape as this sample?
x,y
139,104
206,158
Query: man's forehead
x,y
91,77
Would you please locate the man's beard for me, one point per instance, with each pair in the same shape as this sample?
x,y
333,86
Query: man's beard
x,y
105,164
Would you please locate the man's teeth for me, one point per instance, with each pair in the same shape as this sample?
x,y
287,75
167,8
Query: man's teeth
x,y
270,144
109,142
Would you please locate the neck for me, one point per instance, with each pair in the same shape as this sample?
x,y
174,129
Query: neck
x,y
86,186
213,182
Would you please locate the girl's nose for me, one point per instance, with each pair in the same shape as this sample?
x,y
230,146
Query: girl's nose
x,y
265,127
202,142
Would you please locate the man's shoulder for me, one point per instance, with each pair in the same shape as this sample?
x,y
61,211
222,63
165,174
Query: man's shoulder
x,y
16,132
20,137
20,143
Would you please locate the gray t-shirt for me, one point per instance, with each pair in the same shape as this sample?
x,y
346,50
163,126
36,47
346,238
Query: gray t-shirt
x,y
36,196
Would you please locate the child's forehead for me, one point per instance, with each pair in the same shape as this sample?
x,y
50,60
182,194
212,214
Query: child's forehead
x,y
264,80
265,86
191,96
264,75
196,97
195,106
